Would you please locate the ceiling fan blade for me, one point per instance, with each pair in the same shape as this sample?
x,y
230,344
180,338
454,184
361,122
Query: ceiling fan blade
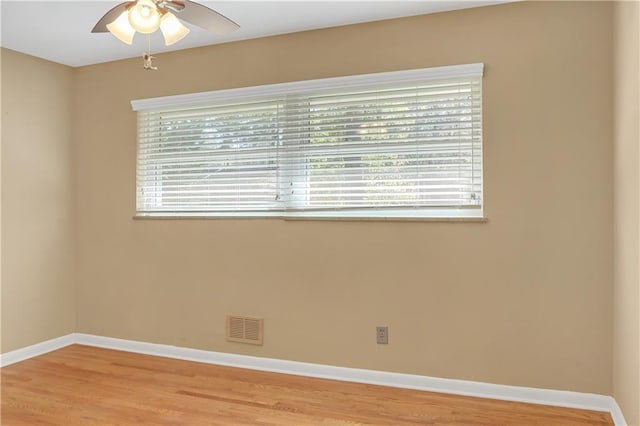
x,y
202,16
109,17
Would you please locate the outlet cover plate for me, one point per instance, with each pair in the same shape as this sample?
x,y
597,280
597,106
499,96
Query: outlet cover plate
x,y
382,335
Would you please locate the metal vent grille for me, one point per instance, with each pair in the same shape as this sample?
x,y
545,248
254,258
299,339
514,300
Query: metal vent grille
x,y
244,329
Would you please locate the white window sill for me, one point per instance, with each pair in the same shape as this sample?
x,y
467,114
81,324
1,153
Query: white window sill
x,y
472,219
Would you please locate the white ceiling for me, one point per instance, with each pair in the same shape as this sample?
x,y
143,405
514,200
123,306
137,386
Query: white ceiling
x,y
60,31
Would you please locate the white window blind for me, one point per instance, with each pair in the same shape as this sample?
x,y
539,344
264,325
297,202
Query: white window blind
x,y
211,159
402,144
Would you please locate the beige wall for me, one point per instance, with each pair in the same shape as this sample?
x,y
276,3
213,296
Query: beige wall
x,y
1,117
38,283
523,299
626,335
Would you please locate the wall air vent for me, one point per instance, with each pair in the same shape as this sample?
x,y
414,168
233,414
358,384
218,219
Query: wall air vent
x,y
244,329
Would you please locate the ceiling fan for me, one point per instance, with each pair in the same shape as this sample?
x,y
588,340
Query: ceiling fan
x,y
147,16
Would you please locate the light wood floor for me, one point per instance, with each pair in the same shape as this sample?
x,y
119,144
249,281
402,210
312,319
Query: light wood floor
x,y
81,385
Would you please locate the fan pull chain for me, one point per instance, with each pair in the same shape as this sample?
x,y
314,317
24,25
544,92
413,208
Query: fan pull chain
x,y
148,59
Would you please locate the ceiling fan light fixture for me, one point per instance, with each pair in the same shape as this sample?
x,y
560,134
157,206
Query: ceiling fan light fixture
x,y
121,28
172,29
144,16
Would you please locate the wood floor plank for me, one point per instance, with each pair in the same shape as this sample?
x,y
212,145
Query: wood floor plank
x,y
82,385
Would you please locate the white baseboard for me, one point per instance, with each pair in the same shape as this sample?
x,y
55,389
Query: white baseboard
x,y
616,413
568,399
37,349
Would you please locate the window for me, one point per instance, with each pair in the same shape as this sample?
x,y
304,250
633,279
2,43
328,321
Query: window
x,y
402,144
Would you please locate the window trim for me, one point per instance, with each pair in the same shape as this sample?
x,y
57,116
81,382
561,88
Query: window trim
x,y
474,70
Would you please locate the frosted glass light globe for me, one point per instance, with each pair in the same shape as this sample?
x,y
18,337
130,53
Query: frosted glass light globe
x,y
144,16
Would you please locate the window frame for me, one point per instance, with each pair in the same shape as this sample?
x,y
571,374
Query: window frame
x,y
290,89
